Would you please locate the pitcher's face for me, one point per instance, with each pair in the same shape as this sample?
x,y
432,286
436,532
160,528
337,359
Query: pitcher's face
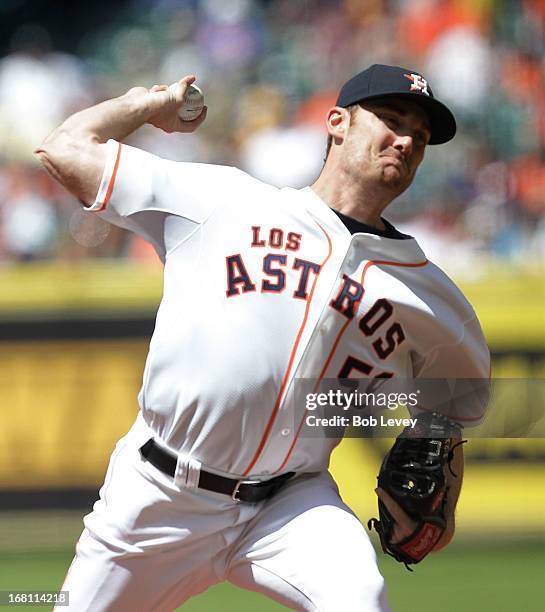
x,y
386,141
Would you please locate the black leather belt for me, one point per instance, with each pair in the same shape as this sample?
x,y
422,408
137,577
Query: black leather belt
x,y
239,490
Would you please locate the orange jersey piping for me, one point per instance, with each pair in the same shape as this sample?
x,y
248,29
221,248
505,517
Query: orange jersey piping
x,y
290,361
338,339
112,180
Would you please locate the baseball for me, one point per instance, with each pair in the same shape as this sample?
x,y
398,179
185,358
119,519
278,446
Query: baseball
x,y
193,104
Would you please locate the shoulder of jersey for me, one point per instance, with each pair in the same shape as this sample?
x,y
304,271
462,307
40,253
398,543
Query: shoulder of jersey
x,y
447,288
256,183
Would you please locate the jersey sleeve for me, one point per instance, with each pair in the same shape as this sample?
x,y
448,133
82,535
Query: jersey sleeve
x,y
140,191
456,377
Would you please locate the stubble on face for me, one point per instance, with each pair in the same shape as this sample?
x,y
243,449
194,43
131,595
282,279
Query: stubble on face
x,y
371,156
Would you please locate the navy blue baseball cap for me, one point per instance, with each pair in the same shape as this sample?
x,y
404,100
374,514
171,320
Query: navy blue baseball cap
x,y
381,81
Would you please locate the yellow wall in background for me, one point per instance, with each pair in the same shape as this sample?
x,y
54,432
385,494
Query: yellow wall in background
x,y
509,301
504,497
64,405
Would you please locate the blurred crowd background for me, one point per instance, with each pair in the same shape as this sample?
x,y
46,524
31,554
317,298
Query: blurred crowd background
x,y
270,69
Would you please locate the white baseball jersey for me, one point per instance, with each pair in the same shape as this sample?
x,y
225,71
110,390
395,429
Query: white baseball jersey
x,y
264,285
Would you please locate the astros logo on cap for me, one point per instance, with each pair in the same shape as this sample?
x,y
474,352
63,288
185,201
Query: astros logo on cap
x,y
419,83
383,81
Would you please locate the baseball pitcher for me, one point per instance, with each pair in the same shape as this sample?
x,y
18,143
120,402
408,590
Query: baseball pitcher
x,y
263,286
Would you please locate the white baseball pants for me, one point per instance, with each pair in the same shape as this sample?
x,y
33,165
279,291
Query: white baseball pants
x,y
149,545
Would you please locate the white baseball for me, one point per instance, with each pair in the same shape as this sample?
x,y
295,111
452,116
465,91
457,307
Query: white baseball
x,y
193,103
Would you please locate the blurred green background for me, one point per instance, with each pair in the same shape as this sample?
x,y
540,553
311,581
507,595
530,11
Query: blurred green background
x,y
499,571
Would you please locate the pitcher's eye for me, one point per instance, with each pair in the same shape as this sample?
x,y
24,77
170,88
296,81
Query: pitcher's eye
x,y
422,137
390,121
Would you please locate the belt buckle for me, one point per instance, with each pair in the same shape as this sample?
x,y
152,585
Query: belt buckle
x,y
234,494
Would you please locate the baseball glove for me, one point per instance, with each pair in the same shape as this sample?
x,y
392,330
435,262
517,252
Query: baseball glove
x,y
414,474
